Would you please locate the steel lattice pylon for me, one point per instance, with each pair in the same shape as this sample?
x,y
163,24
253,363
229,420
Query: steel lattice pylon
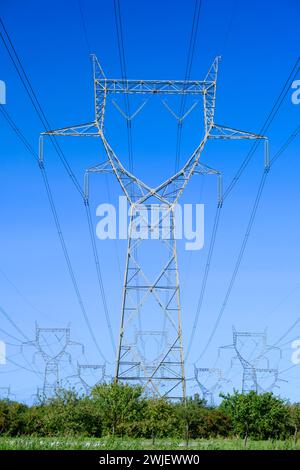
x,y
251,366
163,375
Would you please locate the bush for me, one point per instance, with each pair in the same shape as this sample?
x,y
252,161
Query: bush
x,y
122,410
119,407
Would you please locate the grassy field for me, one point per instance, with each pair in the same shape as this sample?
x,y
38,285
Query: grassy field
x,y
37,443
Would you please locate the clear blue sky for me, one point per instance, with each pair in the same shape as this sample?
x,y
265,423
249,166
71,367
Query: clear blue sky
x,y
259,43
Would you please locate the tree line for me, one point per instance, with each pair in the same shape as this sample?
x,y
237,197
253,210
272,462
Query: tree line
x,y
123,410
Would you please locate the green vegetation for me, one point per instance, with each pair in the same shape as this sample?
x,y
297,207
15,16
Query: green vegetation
x,y
110,443
121,417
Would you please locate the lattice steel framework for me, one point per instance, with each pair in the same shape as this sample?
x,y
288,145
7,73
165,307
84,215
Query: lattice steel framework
x,y
5,393
163,375
52,345
251,366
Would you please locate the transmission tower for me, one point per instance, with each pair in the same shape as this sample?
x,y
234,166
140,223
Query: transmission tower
x,y
147,298
5,393
52,345
251,363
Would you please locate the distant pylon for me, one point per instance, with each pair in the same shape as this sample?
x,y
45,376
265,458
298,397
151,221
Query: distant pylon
x,y
52,344
5,393
251,365
149,298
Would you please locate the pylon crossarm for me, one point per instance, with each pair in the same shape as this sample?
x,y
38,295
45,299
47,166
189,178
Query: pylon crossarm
x,y
76,343
224,132
80,130
27,343
203,169
152,87
246,334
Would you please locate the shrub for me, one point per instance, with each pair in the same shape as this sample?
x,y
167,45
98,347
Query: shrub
x,y
260,416
12,418
119,407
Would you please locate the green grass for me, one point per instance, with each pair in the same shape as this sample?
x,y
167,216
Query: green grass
x,y
65,443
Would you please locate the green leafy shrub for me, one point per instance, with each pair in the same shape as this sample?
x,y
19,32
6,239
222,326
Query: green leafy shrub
x,y
260,416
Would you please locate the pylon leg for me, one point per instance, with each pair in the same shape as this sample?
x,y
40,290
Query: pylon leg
x,y
150,357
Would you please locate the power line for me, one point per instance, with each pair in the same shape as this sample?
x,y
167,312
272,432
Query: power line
x,y
271,116
36,104
89,217
12,322
190,58
205,277
238,262
38,374
285,145
189,63
245,239
20,294
283,300
98,270
122,58
41,115
57,224
85,32
6,315
286,370
288,331
10,335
